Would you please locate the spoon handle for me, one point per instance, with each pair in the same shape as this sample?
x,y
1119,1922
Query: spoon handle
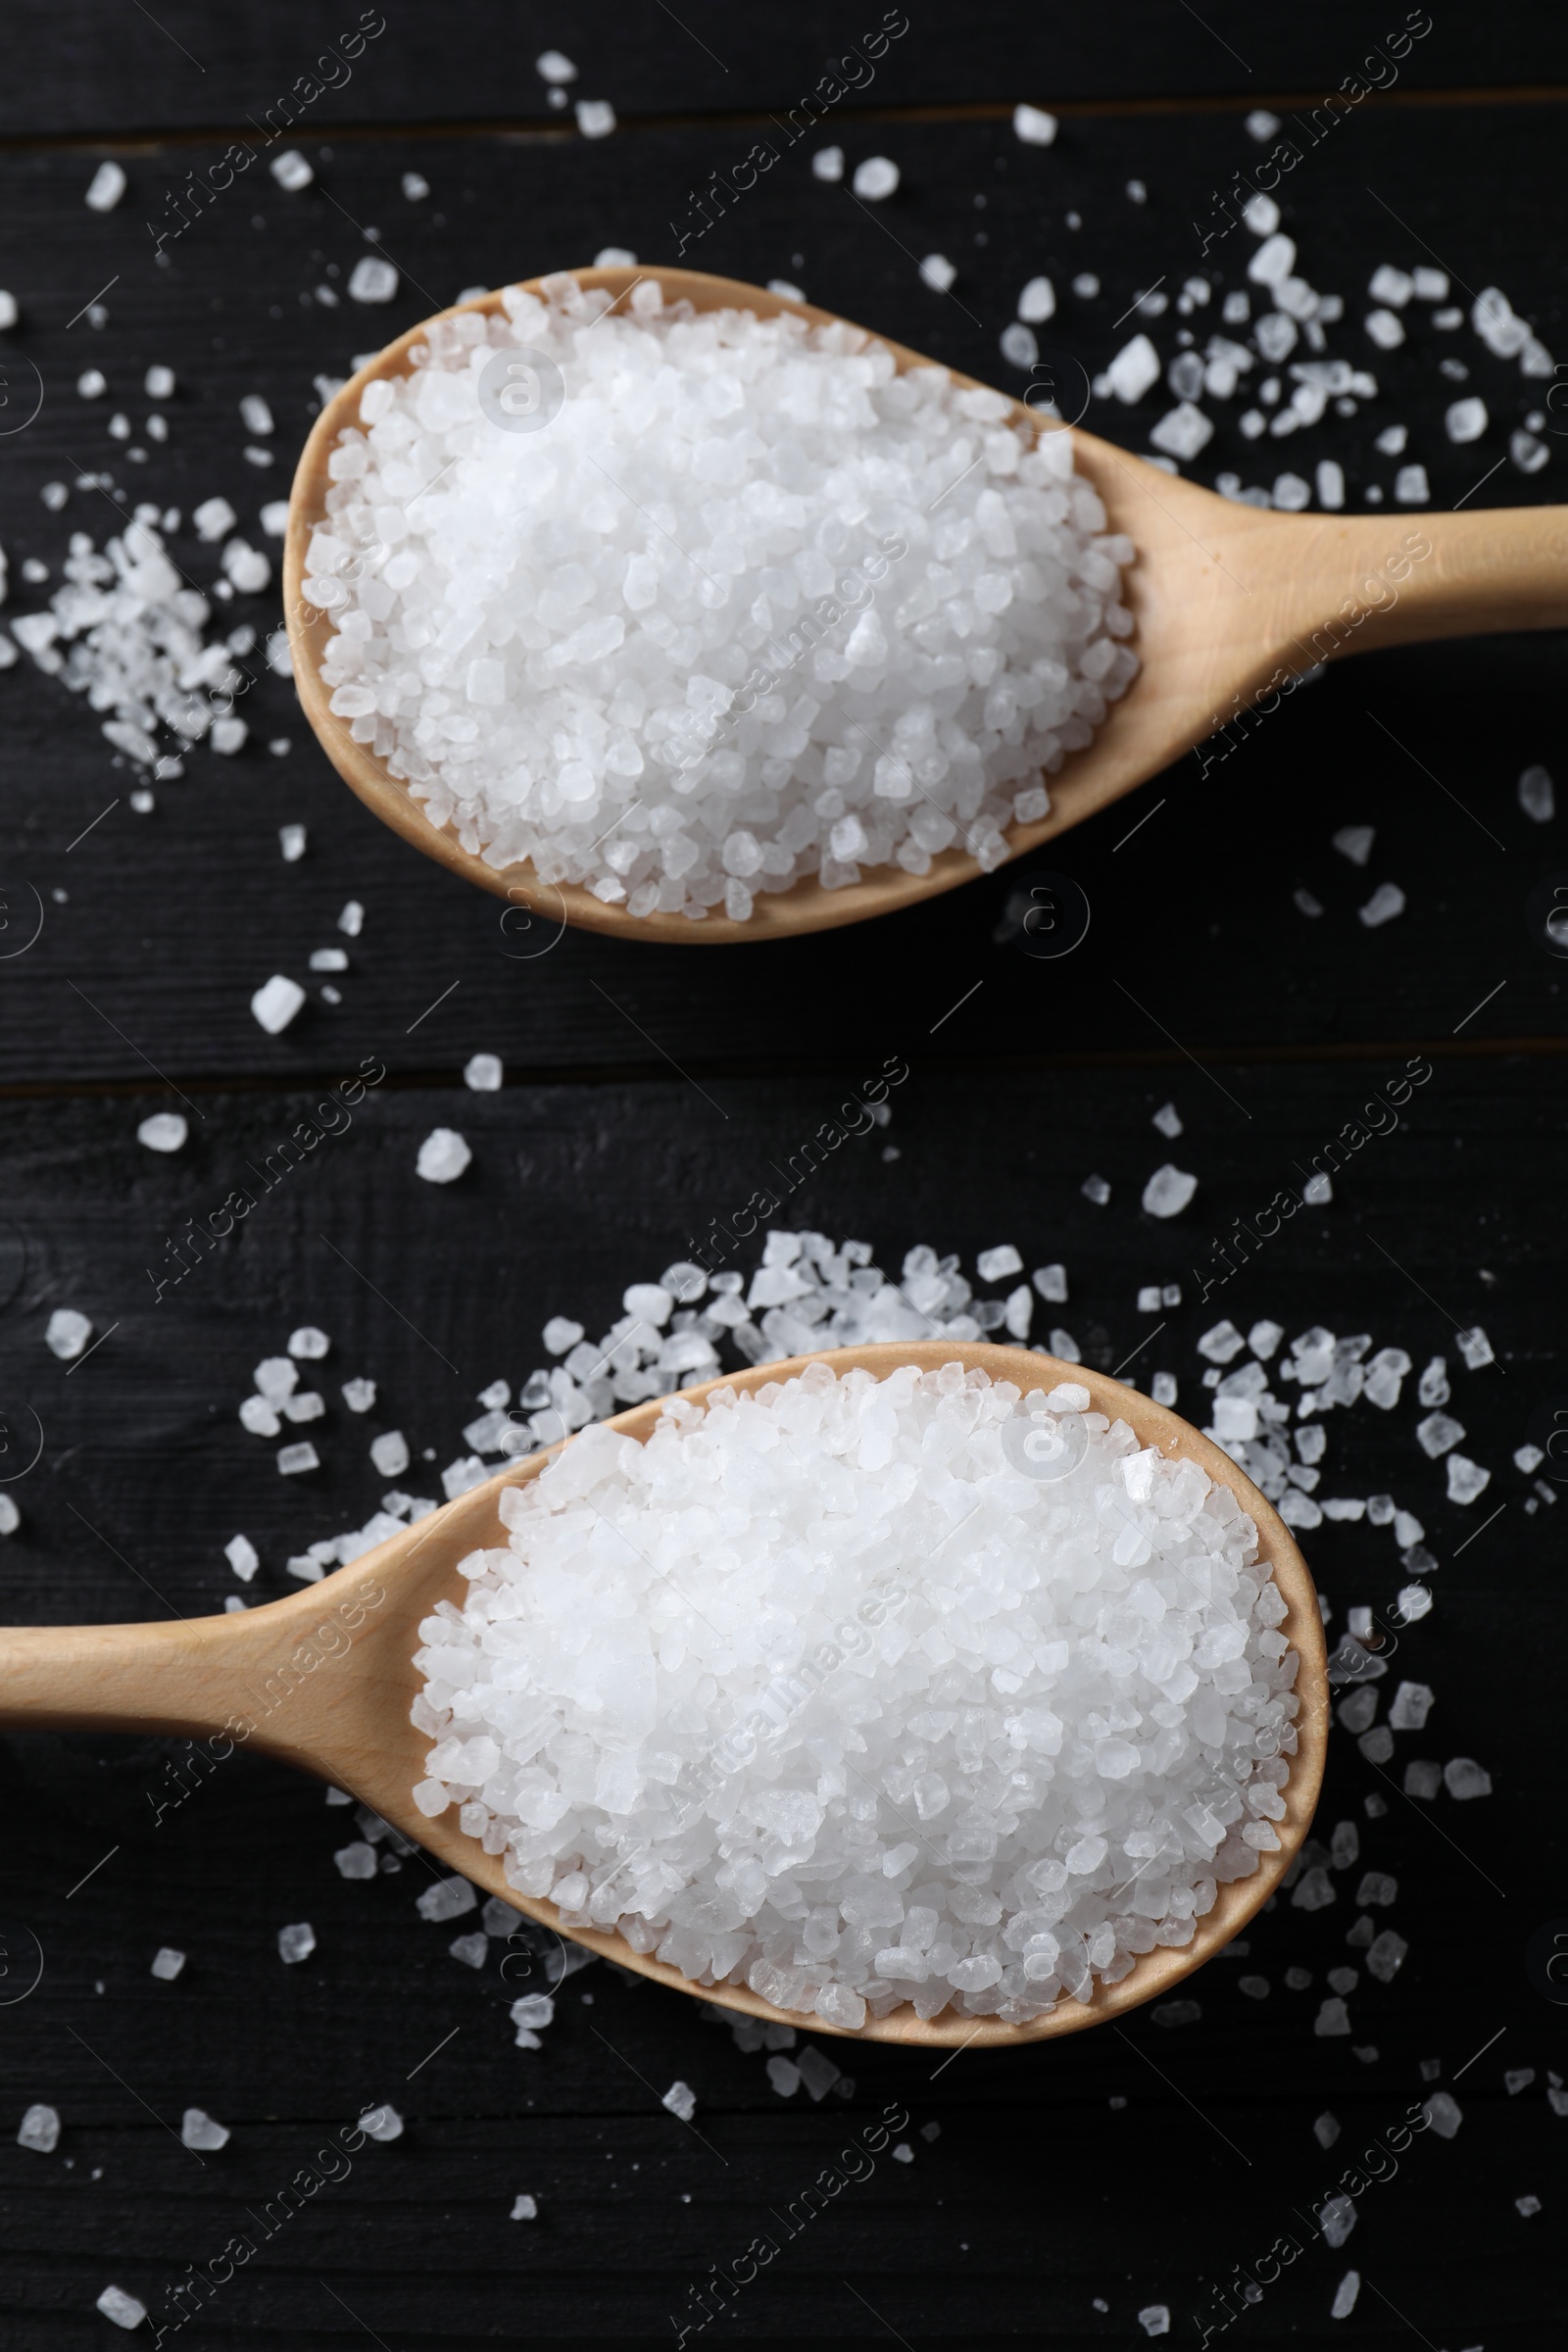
x,y
1390,579
255,1676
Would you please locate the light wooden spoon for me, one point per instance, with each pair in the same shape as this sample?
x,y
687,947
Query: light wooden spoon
x,y
324,1680
1230,603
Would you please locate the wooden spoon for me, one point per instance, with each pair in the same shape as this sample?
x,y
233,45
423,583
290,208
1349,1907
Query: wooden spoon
x,y
1230,603
326,1677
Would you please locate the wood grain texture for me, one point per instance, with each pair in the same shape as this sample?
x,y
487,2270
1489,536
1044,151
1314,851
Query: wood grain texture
x,y
572,1192
1425,745
1076,2185
188,64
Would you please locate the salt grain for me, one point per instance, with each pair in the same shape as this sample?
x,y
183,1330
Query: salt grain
x,y
122,2308
199,2130
1345,2295
443,1157
482,1073
164,1131
297,1942
1536,795
40,2130
275,1003
1444,2114
381,2124
1033,125
68,1332
1168,1192
105,189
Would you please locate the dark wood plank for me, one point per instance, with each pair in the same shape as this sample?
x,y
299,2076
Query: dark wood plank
x,y
171,920
1038,2194
94,73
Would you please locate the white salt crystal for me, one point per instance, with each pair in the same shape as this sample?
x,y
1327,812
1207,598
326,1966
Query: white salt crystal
x,y
1411,1704
357,1860
1386,902
117,2305
1386,1955
68,1332
1052,1281
938,272
1434,1435
1338,2217
1182,431
1133,369
525,2208
1356,843
296,1943
415,187
390,1453
1261,125
242,1556
1348,2288
106,187
1221,1341
294,1460
1412,487
553,66
1097,1190
1444,2114
168,1963
352,919
199,2130
1466,1479
1527,2206
1414,1601
1527,1458
1038,300
9,312
1332,2019
1464,1778
40,2130
309,1343
372,278
382,2123
471,1950
214,520
1168,1120
1476,1348
1536,796
1429,284
447,1898
291,170
596,118
1465,421
681,2101
482,1073
1168,1190
275,1003
1034,125
1325,2130
1018,345
443,1157
1164,1389
1154,2318
829,163
163,1131
291,841
994,1265
784,2076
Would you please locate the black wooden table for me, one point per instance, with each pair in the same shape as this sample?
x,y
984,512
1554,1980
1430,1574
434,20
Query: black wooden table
x,y
1049,2196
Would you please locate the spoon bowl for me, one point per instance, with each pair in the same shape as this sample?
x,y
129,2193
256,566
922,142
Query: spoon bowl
x,y
1230,603
324,1680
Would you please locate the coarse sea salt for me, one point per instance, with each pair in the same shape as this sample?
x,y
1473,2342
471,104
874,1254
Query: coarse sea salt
x,y
849,1691
688,606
